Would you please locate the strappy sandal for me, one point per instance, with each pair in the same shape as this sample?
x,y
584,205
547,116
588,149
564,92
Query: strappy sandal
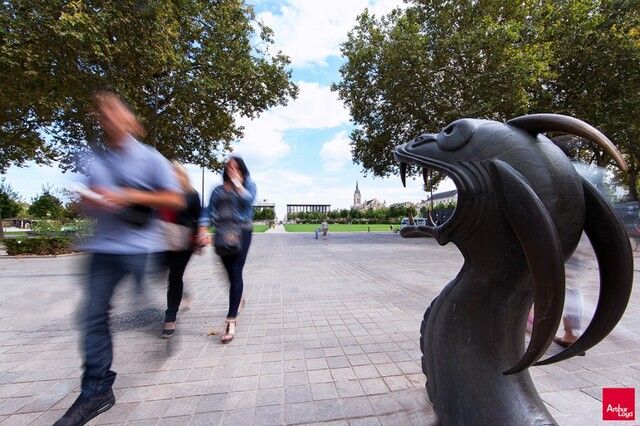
x,y
168,332
565,344
229,331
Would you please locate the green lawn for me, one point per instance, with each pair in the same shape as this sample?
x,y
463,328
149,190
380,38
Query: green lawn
x,y
310,227
260,228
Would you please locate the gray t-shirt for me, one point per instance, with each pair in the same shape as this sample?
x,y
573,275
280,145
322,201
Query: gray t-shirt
x,y
136,166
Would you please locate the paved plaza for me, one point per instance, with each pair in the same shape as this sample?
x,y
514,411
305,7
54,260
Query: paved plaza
x,y
329,335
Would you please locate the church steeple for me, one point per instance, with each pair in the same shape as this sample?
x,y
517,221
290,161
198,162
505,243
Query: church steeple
x,y
356,196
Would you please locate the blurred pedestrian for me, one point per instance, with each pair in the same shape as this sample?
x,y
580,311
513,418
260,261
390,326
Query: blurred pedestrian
x,y
230,211
126,183
324,227
572,314
181,230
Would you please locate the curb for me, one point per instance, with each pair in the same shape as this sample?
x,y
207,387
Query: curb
x,y
43,256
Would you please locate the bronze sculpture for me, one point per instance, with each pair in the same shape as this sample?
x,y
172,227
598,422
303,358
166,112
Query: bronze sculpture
x,y
521,210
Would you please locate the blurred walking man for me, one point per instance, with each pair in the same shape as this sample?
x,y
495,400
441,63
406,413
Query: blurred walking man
x,y
126,183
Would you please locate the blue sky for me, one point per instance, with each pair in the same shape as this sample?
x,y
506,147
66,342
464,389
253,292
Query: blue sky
x,y
298,153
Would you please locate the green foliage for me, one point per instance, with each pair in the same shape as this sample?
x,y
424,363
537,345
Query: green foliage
x,y
38,246
596,52
391,215
264,214
9,200
417,69
188,68
47,206
64,227
444,205
72,210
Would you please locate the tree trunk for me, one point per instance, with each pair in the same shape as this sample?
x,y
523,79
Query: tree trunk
x,y
632,181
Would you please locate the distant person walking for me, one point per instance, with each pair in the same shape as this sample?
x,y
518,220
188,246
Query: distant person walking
x,y
230,211
126,183
573,304
181,230
324,228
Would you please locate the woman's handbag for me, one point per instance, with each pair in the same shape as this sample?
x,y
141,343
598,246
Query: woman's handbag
x,y
178,237
136,215
227,241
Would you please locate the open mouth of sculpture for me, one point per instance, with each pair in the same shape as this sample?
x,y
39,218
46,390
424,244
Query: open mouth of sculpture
x,y
440,221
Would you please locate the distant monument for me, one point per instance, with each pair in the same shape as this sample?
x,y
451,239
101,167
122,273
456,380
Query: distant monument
x,y
357,199
368,204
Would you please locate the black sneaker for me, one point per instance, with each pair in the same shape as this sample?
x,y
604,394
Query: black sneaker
x,y
85,409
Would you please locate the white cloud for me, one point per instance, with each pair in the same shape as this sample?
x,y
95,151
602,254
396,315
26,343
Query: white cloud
x,y
262,142
336,153
310,31
316,107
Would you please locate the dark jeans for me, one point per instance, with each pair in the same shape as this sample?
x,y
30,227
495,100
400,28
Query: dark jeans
x,y
105,272
177,261
234,264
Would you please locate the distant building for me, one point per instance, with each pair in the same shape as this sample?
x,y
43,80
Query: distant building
x,y
372,205
357,199
367,205
308,208
440,197
264,205
444,197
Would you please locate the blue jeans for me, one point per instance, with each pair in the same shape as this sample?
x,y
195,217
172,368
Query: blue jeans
x,y
234,264
105,272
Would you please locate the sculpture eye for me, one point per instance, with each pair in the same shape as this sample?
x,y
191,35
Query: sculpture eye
x,y
457,134
423,139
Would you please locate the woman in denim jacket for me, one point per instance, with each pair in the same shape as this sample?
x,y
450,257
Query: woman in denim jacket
x,y
230,211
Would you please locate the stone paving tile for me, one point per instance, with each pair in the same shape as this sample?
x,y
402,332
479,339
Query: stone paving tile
x,y
568,401
320,376
374,386
211,403
323,391
119,414
396,383
149,409
349,388
293,394
303,412
311,348
13,405
22,419
177,421
269,415
49,417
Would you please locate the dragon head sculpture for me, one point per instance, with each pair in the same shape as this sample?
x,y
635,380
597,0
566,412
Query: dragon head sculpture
x,y
520,214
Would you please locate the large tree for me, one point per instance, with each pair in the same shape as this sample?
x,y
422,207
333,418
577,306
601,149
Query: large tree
x,y
417,69
9,203
188,68
47,205
596,73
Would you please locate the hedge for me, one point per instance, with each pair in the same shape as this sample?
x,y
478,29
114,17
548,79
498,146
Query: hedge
x,y
38,246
